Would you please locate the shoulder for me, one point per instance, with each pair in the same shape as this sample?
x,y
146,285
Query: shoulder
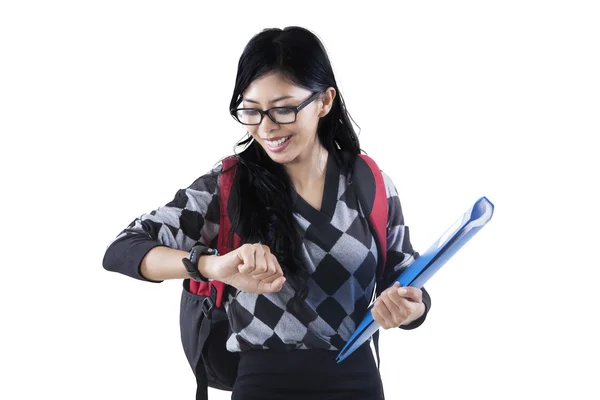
x,y
363,168
209,181
390,187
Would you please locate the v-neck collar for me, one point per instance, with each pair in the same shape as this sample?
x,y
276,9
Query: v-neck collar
x,y
329,200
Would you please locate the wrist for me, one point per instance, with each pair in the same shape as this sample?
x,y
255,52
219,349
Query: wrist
x,y
206,265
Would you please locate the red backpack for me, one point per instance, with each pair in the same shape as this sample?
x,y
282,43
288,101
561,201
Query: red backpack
x,y
203,321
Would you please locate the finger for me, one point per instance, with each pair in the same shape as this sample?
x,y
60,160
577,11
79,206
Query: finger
x,y
397,311
260,262
276,264
394,296
378,318
411,293
383,311
268,277
245,269
277,284
272,272
409,307
271,263
272,287
415,310
247,256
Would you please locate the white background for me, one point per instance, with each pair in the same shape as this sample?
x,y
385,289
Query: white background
x,y
107,108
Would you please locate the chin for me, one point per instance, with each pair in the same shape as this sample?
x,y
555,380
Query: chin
x,y
288,154
281,158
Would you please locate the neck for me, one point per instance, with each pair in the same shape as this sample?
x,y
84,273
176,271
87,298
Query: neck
x,y
308,170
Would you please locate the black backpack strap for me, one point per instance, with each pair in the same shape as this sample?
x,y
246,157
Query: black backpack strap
x,y
208,305
372,197
376,345
201,383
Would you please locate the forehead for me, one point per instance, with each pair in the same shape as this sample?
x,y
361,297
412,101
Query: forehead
x,y
272,86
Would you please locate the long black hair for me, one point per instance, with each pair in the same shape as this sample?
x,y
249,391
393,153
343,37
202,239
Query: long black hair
x,y
264,190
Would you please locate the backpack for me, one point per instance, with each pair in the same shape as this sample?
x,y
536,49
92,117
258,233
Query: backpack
x,y
203,321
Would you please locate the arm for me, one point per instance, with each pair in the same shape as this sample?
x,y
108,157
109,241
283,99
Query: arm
x,y
400,253
152,246
162,263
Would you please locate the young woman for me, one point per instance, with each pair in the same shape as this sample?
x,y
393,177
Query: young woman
x,y
301,227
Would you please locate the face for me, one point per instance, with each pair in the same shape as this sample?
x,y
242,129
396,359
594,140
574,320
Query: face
x,y
300,137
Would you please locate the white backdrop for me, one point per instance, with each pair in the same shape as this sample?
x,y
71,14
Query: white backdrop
x,y
107,108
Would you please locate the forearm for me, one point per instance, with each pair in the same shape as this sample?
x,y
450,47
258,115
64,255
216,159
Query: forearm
x,y
141,257
162,263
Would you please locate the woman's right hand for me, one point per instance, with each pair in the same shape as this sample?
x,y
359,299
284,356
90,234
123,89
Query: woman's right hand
x,y
249,268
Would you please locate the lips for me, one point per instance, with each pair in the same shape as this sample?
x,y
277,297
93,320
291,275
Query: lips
x,y
279,144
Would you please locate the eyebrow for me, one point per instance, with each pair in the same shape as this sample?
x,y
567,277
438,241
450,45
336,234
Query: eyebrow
x,y
272,101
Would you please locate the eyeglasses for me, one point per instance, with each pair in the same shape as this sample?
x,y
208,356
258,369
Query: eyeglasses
x,y
279,115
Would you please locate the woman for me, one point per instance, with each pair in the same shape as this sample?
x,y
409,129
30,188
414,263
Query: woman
x,y
302,231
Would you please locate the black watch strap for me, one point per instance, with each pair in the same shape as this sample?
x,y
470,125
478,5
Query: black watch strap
x,y
191,262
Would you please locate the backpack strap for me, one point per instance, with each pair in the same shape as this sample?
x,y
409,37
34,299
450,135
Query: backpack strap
x,y
373,197
371,191
226,183
216,289
376,344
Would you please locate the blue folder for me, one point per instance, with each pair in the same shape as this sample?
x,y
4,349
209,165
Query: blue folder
x,y
427,264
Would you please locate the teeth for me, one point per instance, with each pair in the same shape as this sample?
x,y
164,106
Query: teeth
x,y
277,143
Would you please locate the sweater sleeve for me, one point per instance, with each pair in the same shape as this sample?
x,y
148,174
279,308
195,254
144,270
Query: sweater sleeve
x,y
400,253
192,216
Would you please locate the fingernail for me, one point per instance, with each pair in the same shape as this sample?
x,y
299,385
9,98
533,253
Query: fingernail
x,y
402,291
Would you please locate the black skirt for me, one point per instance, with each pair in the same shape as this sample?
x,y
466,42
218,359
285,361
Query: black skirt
x,y
307,374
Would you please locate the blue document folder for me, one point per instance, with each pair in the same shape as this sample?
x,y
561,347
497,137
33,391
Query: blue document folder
x,y
427,264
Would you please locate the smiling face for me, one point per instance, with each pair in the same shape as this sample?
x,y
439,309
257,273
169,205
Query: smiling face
x,y
286,143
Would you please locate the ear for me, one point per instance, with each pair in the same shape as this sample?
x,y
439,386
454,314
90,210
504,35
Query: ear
x,y
327,101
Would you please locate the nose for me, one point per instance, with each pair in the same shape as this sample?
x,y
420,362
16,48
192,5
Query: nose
x,y
267,125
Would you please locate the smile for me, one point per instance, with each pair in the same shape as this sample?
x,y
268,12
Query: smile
x,y
279,144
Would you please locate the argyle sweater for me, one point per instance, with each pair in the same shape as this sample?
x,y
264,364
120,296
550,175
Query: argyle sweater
x,y
337,249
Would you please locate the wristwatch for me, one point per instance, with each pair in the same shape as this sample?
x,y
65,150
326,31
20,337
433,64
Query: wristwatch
x,y
191,262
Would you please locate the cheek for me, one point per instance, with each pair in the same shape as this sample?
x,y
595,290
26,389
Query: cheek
x,y
307,125
309,121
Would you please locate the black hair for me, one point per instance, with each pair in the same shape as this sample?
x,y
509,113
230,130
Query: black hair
x,y
263,187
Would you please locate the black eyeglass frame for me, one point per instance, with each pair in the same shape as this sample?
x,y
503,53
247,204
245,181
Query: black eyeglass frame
x,y
295,109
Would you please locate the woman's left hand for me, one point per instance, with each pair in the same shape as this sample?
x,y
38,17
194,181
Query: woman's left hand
x,y
398,306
